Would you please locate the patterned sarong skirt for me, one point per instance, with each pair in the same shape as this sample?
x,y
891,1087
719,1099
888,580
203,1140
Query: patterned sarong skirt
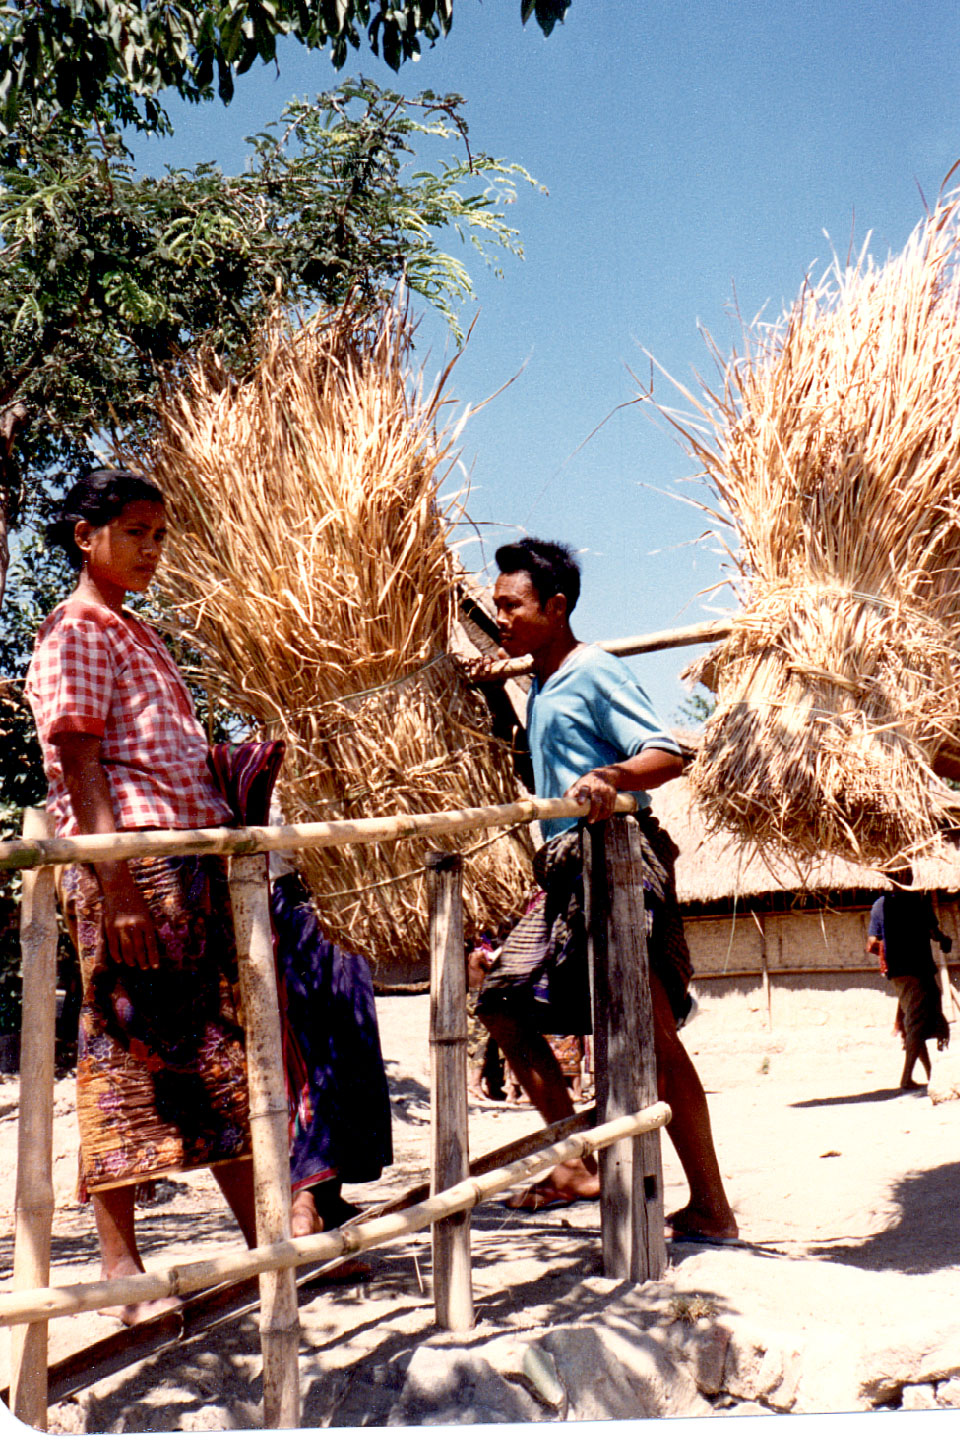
x,y
161,1069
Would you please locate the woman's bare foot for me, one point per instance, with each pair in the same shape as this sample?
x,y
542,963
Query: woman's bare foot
x,y
304,1219
692,1223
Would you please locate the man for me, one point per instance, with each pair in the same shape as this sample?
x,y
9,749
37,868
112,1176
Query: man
x,y
592,733
902,924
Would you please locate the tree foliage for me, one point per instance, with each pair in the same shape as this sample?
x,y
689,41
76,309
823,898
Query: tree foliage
x,y
122,53
105,276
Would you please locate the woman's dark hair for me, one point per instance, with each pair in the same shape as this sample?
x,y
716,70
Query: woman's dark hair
x,y
550,565
98,498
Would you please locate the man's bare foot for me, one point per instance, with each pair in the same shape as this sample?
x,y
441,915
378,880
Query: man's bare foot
x,y
147,1310
304,1219
692,1223
911,1084
564,1185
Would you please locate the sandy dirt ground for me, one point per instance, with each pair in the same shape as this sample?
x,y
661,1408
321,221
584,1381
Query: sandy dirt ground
x,y
845,1189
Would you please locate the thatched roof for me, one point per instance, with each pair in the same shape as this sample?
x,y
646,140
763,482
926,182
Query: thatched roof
x,y
718,868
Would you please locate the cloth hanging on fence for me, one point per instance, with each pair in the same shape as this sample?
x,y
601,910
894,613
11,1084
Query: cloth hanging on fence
x,y
340,1109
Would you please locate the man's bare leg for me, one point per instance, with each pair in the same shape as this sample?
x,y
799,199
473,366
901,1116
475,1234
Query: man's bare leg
x,y
708,1212
113,1212
535,1066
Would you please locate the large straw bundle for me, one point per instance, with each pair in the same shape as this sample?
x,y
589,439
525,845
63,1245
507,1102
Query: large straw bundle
x,y
834,448
308,554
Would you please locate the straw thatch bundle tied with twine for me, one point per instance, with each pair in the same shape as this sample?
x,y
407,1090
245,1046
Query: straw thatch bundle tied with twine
x,y
309,559
834,448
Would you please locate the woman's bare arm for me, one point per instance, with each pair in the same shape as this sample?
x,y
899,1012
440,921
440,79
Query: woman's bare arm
x,y
130,935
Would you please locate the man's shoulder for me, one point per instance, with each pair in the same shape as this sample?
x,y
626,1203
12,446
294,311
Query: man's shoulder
x,y
593,664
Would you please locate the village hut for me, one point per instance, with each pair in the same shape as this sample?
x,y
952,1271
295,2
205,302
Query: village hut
x,y
786,943
832,448
310,568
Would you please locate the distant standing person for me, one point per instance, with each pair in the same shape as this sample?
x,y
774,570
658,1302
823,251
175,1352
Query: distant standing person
x,y
902,924
592,733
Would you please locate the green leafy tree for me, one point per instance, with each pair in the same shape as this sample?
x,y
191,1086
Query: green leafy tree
x,y
106,277
696,710
84,54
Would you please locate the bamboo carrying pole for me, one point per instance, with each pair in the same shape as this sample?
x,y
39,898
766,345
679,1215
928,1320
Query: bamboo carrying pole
x,y
704,632
254,839
279,1319
34,1202
449,1158
631,1178
27,1307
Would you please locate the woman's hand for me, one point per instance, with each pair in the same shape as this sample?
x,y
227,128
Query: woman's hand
x,y
127,923
479,961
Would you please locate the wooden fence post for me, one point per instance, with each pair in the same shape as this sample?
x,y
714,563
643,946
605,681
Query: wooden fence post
x,y
625,1066
279,1319
34,1202
449,1145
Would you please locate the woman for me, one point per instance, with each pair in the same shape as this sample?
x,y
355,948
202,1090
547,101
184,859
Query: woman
x,y
161,1073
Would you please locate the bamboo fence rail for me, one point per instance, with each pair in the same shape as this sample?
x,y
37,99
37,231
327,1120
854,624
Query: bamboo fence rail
x,y
276,1254
27,1307
254,839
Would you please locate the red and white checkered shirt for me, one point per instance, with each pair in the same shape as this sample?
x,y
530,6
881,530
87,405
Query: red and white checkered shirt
x,y
94,672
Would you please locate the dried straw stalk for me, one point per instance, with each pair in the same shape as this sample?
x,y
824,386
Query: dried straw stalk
x,y
834,450
309,558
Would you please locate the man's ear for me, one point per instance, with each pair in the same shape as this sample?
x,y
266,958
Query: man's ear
x,y
556,609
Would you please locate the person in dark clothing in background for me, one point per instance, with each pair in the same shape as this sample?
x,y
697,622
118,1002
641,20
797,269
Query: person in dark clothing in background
x,y
902,924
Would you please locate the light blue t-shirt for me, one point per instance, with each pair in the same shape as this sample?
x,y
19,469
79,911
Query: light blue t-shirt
x,y
590,712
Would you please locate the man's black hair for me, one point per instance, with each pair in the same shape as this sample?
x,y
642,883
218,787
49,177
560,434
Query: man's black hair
x,y
98,497
550,565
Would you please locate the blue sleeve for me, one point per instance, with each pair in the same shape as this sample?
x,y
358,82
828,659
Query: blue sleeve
x,y
624,715
876,919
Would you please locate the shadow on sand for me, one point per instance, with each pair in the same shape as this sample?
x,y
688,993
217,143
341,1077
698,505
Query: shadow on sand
x,y
865,1097
925,1237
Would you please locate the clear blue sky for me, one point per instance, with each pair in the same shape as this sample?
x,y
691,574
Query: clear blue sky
x,y
693,153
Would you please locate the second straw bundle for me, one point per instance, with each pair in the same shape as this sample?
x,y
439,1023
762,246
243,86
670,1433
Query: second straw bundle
x,y
834,449
309,556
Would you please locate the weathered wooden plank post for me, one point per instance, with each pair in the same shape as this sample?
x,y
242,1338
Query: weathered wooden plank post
x,y
625,1067
449,1146
279,1319
34,1200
